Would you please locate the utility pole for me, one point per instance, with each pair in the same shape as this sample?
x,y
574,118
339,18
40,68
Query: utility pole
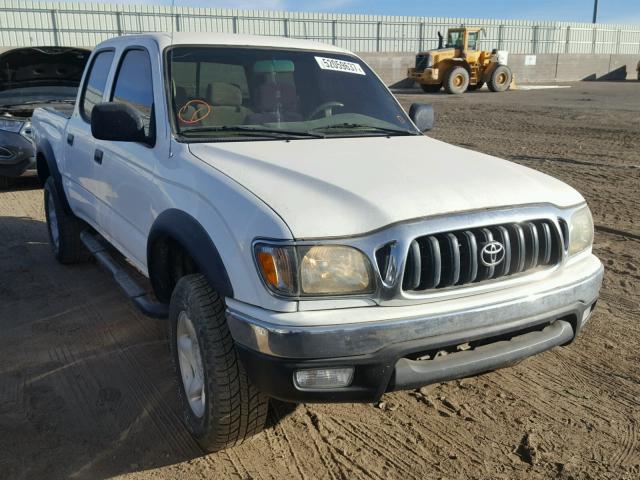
x,y
595,11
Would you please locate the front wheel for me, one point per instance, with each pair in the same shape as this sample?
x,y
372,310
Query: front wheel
x,y
500,79
220,406
457,80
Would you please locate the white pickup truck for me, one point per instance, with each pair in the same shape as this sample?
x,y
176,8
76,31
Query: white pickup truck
x,y
306,241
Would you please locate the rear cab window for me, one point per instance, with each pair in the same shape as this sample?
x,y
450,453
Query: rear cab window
x,y
133,86
94,86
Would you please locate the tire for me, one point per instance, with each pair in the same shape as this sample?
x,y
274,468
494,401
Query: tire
x,y
429,88
5,182
63,228
500,79
457,80
229,409
477,86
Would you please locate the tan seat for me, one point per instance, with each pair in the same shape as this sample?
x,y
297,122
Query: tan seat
x,y
226,105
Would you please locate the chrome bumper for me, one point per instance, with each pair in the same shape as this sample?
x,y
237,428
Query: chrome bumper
x,y
568,294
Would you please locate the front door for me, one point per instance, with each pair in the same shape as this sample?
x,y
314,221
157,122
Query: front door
x,y
80,169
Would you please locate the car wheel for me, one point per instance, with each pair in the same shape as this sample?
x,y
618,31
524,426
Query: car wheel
x,y
429,88
220,406
457,80
63,228
500,79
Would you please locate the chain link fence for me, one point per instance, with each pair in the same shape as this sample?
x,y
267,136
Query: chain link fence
x,y
86,24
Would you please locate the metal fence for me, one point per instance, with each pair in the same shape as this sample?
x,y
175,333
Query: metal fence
x,y
86,24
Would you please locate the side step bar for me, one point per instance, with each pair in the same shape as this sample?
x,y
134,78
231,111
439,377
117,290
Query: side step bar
x,y
135,292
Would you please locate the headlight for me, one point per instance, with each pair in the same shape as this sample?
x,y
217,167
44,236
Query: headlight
x,y
11,125
314,270
580,231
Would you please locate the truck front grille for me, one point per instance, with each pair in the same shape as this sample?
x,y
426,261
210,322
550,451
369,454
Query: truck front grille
x,y
476,255
422,62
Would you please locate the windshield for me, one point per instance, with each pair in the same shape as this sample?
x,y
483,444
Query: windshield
x,y
220,93
455,39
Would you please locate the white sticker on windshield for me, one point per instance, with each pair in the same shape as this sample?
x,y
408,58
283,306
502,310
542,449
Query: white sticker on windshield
x,y
339,65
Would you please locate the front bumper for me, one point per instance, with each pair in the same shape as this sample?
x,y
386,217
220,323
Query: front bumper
x,y
428,75
17,154
502,328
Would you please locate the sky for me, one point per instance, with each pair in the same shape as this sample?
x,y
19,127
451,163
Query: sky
x,y
610,11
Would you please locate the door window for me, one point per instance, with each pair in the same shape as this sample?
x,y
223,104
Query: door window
x,y
95,84
134,87
472,42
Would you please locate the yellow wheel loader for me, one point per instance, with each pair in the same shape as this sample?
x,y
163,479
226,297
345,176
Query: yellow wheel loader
x,y
458,65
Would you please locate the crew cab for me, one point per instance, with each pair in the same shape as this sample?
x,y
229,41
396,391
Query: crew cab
x,y
305,239
32,77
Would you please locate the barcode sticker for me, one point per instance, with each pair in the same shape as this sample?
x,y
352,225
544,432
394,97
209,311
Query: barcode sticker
x,y
339,65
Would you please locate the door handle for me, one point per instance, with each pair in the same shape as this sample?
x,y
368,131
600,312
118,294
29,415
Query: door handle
x,y
97,156
70,138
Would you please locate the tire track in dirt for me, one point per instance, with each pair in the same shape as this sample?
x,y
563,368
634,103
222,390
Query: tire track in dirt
x,y
322,426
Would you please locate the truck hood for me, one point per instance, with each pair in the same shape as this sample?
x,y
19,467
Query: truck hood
x,y
42,67
349,186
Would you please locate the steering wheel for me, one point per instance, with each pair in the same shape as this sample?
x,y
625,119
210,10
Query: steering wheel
x,y
194,111
327,108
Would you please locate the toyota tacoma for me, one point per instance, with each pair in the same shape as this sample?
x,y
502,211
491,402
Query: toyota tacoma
x,y
305,239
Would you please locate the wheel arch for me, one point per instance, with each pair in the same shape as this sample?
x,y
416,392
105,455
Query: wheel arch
x,y
173,229
47,166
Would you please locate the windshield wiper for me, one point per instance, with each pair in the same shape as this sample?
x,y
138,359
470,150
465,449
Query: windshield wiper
x,y
261,131
361,126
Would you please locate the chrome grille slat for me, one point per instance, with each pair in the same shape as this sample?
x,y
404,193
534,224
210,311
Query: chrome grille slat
x,y
533,245
454,259
503,237
470,257
547,243
520,243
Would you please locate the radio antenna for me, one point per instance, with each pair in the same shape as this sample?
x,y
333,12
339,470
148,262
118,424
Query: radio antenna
x,y
174,20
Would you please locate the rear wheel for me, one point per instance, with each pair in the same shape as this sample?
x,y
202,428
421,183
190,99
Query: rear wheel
x,y
431,88
500,79
457,80
63,228
220,406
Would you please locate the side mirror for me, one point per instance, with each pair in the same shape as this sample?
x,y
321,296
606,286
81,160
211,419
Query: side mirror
x,y
422,115
117,122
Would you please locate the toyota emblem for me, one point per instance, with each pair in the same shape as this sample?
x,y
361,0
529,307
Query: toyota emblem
x,y
492,254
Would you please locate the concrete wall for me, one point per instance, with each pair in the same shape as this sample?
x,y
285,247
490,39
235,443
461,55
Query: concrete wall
x,y
392,67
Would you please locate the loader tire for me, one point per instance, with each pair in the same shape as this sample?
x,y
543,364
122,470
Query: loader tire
x,y
429,88
457,80
220,406
500,79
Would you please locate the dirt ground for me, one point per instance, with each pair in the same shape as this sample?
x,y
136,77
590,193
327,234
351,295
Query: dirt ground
x,y
87,389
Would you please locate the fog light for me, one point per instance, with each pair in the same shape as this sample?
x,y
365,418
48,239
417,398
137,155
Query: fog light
x,y
323,378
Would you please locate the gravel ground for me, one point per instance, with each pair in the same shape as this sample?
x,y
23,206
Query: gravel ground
x,y
86,386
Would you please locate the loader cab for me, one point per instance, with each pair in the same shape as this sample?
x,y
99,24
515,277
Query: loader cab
x,y
463,39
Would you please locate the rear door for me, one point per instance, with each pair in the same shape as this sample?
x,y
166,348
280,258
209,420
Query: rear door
x,y
80,168
127,169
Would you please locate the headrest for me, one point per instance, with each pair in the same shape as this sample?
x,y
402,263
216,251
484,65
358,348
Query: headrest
x,y
273,66
224,94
